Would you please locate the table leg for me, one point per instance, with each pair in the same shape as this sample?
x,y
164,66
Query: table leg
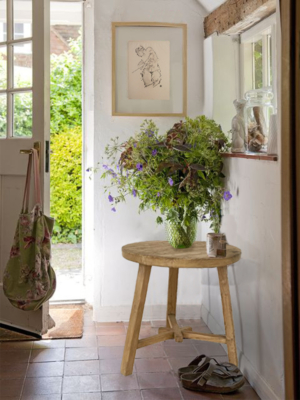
x,y
135,319
172,294
227,313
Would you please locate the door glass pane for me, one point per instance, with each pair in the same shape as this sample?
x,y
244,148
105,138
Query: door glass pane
x,y
22,54
258,65
22,114
22,19
3,104
2,20
3,67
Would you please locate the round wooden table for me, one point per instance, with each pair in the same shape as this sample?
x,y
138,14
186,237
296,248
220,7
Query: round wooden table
x,y
161,254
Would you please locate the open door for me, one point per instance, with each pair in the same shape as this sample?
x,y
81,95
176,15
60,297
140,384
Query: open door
x,y
24,120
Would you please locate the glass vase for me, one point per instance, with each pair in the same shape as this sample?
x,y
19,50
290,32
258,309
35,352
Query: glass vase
x,y
259,109
181,237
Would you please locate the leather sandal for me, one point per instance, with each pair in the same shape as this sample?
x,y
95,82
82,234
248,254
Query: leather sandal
x,y
212,378
203,359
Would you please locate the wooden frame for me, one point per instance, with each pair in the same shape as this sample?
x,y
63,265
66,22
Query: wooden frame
x,y
184,68
290,103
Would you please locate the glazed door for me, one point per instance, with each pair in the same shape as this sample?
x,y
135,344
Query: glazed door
x,y
24,120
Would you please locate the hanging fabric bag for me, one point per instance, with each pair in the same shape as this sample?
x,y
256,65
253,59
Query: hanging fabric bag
x,y
29,280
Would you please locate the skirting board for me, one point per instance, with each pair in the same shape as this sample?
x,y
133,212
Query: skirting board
x,y
151,313
255,379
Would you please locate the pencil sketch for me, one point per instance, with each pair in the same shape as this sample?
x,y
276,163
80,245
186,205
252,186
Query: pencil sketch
x,y
148,66
149,70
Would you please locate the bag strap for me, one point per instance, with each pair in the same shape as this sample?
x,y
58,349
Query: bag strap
x,y
33,159
37,177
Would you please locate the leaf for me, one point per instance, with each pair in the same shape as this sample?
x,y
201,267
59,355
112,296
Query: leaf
x,y
197,167
181,147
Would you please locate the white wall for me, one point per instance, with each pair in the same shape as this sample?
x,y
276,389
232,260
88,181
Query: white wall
x,y
115,277
252,221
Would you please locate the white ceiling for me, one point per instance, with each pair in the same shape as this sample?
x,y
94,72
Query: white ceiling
x,y
211,5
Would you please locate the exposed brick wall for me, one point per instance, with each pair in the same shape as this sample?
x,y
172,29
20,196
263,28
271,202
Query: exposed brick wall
x,y
60,36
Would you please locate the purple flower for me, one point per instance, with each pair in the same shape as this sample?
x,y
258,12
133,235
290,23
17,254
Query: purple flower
x,y
134,192
113,209
158,194
139,167
227,196
105,166
110,198
170,181
154,152
203,217
134,145
150,133
88,169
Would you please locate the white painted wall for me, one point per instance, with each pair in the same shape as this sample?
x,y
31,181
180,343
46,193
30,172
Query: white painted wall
x,y
114,277
252,221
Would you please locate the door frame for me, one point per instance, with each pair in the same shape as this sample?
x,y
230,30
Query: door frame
x,y
290,128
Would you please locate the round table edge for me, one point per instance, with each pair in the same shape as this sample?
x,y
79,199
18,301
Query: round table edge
x,y
176,263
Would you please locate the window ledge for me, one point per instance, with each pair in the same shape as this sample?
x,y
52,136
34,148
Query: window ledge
x,y
252,156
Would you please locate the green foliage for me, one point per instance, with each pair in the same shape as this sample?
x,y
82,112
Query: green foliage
x,y
66,86
66,186
258,64
178,173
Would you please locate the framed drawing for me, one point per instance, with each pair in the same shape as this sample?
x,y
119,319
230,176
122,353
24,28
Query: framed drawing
x,y
149,69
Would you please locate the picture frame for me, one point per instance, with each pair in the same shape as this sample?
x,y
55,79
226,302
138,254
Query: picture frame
x,y
149,69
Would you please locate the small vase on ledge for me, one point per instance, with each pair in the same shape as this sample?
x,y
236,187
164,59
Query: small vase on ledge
x,y
238,128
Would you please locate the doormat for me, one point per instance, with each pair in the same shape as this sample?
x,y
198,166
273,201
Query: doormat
x,y
68,325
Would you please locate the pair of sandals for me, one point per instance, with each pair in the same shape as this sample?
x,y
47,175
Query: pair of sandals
x,y
205,374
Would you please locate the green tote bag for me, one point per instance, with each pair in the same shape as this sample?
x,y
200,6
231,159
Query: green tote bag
x,y
29,280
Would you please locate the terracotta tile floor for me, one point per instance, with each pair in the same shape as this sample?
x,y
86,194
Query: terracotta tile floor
x,y
89,368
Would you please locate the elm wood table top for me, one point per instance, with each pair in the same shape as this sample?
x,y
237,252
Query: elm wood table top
x,y
162,254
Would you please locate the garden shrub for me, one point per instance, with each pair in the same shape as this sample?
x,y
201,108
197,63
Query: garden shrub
x,y
66,185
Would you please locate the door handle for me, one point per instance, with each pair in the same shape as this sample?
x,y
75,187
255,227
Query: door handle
x,y
36,145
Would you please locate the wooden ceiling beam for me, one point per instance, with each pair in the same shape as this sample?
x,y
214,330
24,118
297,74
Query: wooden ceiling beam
x,y
235,16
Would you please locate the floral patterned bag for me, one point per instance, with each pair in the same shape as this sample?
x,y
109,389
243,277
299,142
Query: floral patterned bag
x,y
29,280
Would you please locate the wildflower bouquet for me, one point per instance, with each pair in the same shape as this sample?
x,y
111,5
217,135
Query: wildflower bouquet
x,y
178,173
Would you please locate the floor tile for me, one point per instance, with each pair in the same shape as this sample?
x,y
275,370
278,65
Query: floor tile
x,y
161,394
245,393
13,371
144,323
147,331
115,324
210,349
49,344
124,395
111,330
81,354
45,369
89,330
183,350
82,396
81,384
117,340
45,386
27,344
42,397
179,362
191,322
111,382
11,387
14,356
152,351
158,323
85,341
90,367
156,380
110,352
190,395
111,366
152,365
45,355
